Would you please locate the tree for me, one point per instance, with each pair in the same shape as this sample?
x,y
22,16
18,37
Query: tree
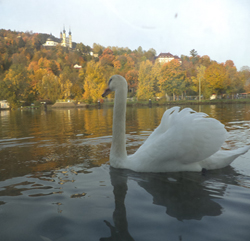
x,y
107,57
15,86
54,67
150,54
233,83
145,89
20,42
190,72
205,61
244,76
215,79
36,77
171,80
19,59
95,82
50,87
83,49
132,79
98,49
140,50
199,80
193,53
156,73
65,88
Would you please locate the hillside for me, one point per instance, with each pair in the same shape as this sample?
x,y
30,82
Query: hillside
x,y
30,72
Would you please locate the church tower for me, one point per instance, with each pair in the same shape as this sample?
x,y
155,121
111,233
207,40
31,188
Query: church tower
x,y
64,38
70,39
66,41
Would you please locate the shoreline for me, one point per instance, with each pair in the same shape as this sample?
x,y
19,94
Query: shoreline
x,y
137,104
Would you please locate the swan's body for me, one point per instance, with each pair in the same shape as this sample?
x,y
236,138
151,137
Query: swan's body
x,y
184,141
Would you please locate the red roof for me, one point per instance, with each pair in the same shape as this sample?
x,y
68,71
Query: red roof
x,y
165,55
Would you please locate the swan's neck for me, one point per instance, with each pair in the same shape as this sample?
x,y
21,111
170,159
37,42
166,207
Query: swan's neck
x,y
118,152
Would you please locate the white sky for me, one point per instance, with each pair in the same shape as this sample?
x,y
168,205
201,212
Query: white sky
x,y
217,28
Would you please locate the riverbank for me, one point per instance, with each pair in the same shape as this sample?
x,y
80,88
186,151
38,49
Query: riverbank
x,y
140,103
183,102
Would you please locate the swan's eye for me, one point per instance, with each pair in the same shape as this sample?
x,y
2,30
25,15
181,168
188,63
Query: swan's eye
x,y
110,81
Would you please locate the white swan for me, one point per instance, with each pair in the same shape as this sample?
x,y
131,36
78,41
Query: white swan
x,y
184,141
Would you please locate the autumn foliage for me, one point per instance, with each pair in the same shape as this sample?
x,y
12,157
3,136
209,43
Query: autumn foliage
x,y
30,72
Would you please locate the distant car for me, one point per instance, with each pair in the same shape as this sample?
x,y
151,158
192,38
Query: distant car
x,y
213,97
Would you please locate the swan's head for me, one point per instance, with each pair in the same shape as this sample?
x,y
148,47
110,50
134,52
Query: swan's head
x,y
115,82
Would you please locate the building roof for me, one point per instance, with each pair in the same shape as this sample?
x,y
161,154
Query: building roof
x,y
165,55
176,57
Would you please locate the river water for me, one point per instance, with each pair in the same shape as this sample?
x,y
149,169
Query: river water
x,y
56,183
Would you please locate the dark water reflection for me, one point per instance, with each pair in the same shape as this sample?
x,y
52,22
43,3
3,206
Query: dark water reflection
x,y
55,183
184,196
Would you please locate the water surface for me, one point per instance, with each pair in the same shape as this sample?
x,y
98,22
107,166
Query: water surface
x,y
56,183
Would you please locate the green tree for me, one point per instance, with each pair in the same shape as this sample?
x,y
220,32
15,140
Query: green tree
x,y
50,87
83,49
193,53
150,54
98,49
195,57
54,68
15,86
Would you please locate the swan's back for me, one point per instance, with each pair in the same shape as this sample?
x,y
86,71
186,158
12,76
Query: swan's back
x,y
182,138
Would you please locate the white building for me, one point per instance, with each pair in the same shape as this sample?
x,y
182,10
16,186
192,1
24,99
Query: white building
x,y
65,41
50,43
76,66
166,58
4,104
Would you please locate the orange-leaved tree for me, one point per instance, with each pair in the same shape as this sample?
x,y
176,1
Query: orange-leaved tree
x,y
132,79
215,79
145,89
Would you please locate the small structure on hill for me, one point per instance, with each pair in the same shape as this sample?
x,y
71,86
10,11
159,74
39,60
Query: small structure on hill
x,y
4,105
166,58
65,41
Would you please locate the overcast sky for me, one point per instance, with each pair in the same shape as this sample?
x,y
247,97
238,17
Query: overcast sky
x,y
217,28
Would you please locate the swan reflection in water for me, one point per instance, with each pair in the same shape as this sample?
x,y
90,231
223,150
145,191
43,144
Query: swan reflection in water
x,y
186,196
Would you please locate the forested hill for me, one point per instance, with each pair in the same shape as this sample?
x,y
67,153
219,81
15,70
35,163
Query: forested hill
x,y
29,71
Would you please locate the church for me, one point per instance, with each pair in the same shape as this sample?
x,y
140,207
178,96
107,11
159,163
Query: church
x,y
65,41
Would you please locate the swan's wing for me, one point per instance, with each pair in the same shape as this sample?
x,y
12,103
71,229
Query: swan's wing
x,y
184,136
164,125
